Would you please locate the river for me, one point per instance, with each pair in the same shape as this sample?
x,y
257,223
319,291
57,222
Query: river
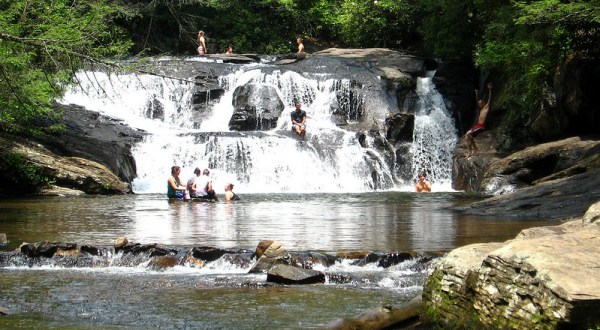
x,y
222,295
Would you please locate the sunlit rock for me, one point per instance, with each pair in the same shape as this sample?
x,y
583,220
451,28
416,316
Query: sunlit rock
x,y
591,216
120,243
274,254
544,279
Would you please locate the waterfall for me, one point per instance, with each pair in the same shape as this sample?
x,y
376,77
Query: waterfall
x,y
329,159
434,136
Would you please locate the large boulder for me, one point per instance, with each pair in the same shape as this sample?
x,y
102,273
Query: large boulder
x,y
72,172
493,173
535,164
555,200
257,108
97,138
546,278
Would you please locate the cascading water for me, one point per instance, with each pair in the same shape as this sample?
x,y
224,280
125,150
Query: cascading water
x,y
434,136
329,159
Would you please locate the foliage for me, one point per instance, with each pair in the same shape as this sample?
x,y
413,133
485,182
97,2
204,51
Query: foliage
x,y
41,44
18,175
527,41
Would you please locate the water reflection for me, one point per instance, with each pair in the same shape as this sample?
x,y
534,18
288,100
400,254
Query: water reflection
x,y
386,221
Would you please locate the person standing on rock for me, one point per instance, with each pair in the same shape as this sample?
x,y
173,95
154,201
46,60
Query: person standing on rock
x,y
174,187
201,43
484,108
422,184
299,120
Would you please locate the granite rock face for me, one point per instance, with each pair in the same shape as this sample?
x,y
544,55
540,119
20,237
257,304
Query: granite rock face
x,y
545,278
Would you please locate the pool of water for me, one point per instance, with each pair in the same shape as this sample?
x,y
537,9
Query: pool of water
x,y
220,296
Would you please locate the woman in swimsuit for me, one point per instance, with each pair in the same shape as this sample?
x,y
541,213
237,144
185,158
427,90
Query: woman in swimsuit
x,y
174,187
201,43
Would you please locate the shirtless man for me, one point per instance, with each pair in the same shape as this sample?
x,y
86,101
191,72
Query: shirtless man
x,y
299,120
423,185
484,108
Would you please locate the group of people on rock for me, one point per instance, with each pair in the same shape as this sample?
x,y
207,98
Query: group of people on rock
x,y
199,186
202,50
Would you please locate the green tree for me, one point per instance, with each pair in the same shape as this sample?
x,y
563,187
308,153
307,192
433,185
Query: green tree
x,y
41,44
527,41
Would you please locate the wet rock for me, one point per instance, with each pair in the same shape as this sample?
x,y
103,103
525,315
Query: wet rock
x,y
341,278
4,311
162,262
369,258
352,254
191,261
241,260
257,108
309,259
391,259
207,253
400,127
3,239
286,274
93,250
46,249
275,254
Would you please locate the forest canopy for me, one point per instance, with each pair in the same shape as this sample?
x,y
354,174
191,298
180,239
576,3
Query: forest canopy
x,y
42,42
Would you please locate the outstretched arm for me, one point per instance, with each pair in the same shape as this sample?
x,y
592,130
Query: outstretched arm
x,y
489,86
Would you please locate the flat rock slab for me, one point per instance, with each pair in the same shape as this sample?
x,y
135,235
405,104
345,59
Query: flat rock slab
x,y
547,275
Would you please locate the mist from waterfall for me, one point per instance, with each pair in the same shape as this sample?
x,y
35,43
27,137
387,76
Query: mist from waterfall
x,y
331,159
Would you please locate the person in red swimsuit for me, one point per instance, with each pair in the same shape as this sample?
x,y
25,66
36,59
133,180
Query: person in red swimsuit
x,y
484,108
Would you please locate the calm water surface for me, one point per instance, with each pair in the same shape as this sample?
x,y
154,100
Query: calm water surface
x,y
220,296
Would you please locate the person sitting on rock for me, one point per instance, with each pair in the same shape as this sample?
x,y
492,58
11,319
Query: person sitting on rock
x,y
299,120
484,108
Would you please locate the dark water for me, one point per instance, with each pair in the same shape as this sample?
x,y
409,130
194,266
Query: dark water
x,y
222,296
